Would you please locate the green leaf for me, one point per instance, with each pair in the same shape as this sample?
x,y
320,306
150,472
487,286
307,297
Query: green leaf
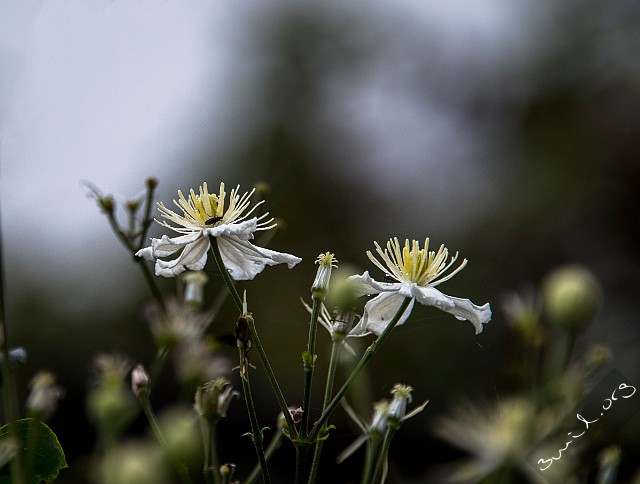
x,y
41,453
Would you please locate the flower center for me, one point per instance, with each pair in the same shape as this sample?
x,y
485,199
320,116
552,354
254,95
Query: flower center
x,y
413,264
205,206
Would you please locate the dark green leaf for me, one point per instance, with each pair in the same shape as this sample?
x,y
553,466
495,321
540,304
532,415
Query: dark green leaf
x,y
41,453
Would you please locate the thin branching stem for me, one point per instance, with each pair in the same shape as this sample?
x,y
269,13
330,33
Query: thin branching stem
x,y
255,340
383,455
309,363
331,373
370,453
256,433
180,468
274,445
368,354
211,466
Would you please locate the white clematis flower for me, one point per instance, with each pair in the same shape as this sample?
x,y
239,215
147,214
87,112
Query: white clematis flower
x,y
415,272
205,215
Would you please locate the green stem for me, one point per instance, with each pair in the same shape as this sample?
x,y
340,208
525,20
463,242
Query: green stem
x,y
254,338
256,434
225,273
301,456
372,447
211,467
309,363
368,354
331,373
182,470
268,454
146,221
382,456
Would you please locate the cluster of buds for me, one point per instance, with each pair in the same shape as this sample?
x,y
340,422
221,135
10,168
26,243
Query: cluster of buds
x,y
388,415
134,232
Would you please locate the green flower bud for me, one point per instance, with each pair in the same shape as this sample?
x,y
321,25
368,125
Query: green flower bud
x,y
181,434
213,399
194,288
572,297
320,286
398,406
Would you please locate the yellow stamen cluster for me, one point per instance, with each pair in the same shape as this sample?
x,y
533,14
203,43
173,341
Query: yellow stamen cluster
x,y
203,210
327,259
413,264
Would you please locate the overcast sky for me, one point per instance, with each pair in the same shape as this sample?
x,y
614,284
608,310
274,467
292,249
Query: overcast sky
x,y
115,91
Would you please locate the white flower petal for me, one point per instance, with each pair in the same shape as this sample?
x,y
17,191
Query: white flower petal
x,y
193,257
365,285
146,253
379,311
462,309
243,230
166,246
244,260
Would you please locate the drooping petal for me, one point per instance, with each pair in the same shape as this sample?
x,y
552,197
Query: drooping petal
x,y
193,257
462,309
365,285
166,246
243,230
379,311
244,260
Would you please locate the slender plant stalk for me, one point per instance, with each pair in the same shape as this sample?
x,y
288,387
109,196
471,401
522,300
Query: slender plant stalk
x,y
302,447
256,434
255,340
274,445
224,273
146,221
309,363
211,467
182,470
368,354
372,447
383,455
331,373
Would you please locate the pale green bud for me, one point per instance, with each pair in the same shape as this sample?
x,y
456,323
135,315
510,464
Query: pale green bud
x,y
378,424
134,463
572,297
194,288
181,434
398,406
227,471
213,399
320,286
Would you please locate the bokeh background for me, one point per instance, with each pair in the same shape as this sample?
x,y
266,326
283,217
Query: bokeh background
x,y
507,130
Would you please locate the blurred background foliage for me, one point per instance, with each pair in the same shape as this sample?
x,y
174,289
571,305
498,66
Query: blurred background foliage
x,y
522,156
